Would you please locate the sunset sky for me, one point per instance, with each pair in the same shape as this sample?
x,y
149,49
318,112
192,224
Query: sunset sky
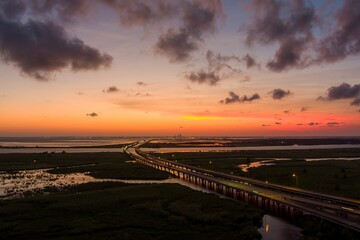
x,y
192,67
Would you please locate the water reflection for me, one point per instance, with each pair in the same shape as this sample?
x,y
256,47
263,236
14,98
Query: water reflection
x,y
63,142
245,167
59,150
278,229
329,159
15,184
220,149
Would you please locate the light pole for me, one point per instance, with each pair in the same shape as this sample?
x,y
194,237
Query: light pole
x,y
296,179
266,187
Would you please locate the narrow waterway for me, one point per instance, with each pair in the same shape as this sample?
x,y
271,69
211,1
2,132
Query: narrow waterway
x,y
275,228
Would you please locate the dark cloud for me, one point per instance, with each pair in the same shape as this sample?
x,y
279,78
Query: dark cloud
x,y
93,114
111,89
236,98
278,123
270,24
141,13
177,45
313,124
286,111
291,24
331,124
198,19
343,91
345,39
31,40
201,76
279,93
250,61
288,55
219,67
304,109
141,83
40,48
356,102
218,61
265,125
12,8
139,94
59,10
299,124
292,31
246,79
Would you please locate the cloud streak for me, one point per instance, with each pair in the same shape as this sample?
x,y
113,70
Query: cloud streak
x,y
93,114
141,83
111,89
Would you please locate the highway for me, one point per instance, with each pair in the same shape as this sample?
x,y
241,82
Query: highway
x,y
342,211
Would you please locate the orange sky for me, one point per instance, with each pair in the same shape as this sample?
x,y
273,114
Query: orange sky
x,y
153,91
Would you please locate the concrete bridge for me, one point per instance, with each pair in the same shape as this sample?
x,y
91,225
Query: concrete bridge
x,y
275,199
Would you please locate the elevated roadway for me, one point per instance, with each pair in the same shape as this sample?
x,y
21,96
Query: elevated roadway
x,y
271,197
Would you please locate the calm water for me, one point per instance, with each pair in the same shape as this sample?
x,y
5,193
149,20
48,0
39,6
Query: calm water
x,y
13,185
58,150
220,149
275,228
64,142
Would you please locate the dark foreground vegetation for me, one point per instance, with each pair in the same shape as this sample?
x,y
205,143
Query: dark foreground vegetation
x,y
336,177
110,210
122,211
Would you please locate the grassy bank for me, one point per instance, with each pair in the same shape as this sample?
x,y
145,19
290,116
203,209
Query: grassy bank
x,y
121,211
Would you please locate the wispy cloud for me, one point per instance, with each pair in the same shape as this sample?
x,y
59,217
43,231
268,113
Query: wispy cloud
x,y
141,83
111,89
93,114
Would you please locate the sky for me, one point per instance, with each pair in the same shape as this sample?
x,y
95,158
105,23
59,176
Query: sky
x,y
190,67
